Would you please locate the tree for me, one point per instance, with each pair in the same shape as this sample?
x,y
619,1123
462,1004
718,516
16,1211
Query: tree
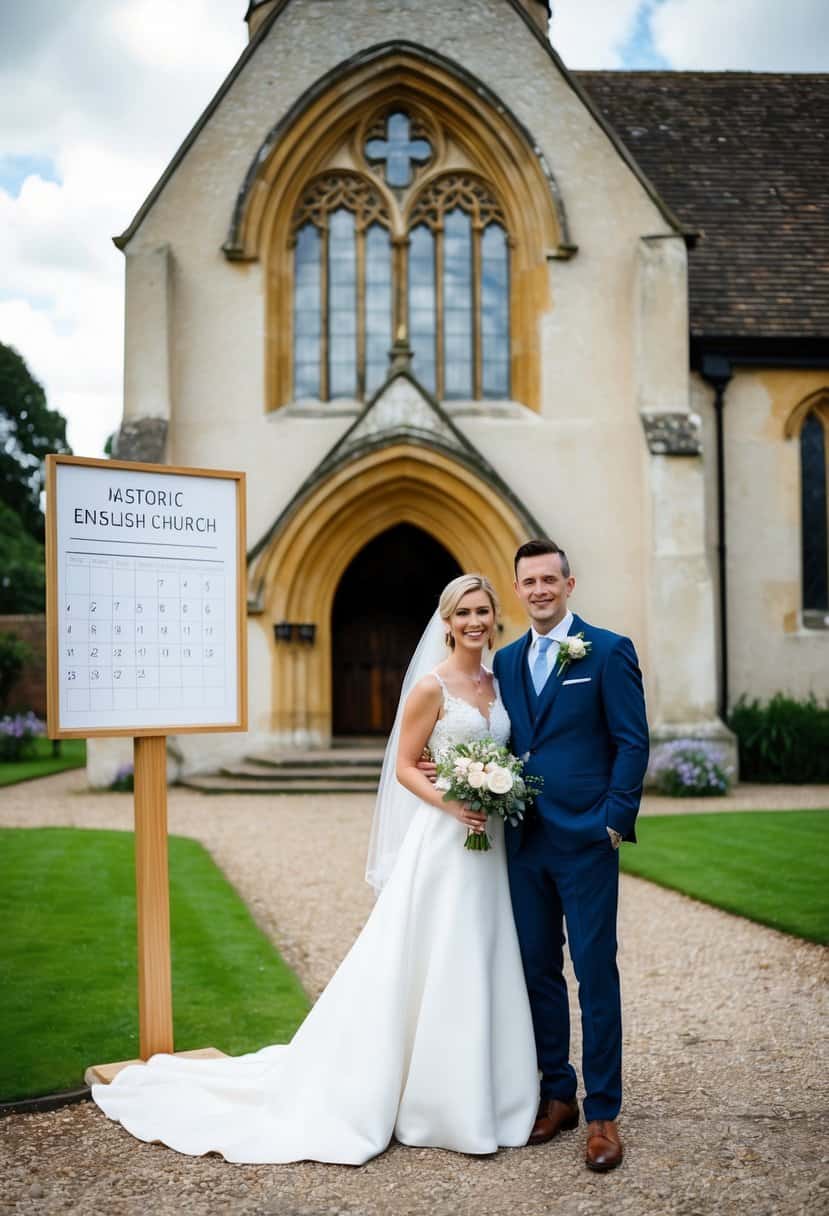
x,y
22,570
28,431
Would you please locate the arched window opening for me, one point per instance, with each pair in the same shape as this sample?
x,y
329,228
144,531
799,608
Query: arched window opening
x,y
371,263
459,289
814,516
423,306
378,306
495,312
342,295
398,150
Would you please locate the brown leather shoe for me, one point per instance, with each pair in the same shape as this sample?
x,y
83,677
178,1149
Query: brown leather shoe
x,y
604,1147
553,1116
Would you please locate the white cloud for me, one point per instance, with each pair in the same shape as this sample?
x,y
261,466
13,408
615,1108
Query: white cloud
x,y
106,90
180,36
747,35
592,33
710,35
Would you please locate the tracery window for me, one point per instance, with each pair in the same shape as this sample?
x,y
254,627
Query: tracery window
x,y
342,288
814,476
404,245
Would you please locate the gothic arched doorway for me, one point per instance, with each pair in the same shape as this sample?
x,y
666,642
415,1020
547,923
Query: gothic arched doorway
x,y
383,601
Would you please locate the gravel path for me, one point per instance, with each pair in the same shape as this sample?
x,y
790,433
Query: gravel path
x,y
725,1063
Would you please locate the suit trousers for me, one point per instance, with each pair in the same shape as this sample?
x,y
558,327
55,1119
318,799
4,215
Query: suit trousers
x,y
552,888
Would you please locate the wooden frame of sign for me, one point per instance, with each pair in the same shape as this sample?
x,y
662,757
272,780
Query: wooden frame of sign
x,y
145,587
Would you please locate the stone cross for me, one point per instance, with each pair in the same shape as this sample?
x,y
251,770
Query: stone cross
x,y
398,150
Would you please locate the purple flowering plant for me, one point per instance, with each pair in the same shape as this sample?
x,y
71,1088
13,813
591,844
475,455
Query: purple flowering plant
x,y
17,733
124,779
688,768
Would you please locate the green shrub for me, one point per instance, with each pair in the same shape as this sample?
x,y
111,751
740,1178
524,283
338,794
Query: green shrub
x,y
782,741
13,655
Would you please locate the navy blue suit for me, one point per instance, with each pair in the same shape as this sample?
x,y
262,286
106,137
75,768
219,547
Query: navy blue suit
x,y
586,735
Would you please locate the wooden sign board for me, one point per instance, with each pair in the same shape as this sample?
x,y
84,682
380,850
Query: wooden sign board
x,y
145,634
145,587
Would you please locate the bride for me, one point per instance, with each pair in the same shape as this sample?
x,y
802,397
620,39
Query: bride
x,y
424,1032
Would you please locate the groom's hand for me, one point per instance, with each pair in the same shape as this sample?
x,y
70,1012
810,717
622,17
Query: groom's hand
x,y
427,766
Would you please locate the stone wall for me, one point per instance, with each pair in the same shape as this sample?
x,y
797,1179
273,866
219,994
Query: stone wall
x,y
770,649
30,690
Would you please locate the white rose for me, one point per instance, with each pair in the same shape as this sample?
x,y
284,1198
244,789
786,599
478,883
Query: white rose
x,y
476,767
476,779
575,648
442,783
462,764
499,781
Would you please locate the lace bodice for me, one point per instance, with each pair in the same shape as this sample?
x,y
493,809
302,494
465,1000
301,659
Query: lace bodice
x,y
463,721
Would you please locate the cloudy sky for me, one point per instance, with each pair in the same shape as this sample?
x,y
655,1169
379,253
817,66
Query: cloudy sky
x,y
97,95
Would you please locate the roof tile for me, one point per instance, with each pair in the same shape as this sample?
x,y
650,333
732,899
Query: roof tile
x,y
742,158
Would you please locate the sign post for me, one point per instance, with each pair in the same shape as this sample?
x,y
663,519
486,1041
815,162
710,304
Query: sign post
x,y
155,995
145,620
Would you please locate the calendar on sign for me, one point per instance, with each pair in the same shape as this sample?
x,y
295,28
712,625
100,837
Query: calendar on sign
x,y
145,598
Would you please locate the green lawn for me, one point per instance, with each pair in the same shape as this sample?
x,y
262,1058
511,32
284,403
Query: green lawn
x,y
68,989
41,762
769,866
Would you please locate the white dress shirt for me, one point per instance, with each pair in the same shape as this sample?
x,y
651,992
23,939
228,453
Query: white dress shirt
x,y
556,635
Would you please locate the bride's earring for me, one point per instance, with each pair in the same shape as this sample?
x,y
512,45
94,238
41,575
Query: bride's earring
x,y
449,639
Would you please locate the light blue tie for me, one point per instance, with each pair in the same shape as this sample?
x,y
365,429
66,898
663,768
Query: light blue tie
x,y
539,672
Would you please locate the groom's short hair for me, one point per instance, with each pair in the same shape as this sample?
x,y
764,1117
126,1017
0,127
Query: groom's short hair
x,y
537,548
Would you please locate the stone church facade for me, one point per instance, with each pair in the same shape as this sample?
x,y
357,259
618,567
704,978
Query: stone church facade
x,y
435,294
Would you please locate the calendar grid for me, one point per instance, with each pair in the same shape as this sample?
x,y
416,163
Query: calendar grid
x,y
134,632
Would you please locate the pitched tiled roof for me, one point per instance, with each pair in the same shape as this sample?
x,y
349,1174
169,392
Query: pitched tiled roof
x,y
743,159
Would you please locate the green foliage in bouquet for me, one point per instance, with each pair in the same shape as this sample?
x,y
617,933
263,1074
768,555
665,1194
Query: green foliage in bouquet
x,y
489,779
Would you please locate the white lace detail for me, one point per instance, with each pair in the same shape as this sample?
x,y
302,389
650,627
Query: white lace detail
x,y
462,722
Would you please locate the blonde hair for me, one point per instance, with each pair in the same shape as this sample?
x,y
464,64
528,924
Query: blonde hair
x,y
454,592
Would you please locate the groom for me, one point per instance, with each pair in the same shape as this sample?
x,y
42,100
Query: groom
x,y
574,695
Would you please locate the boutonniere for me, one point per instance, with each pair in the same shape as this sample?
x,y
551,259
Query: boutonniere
x,y
570,649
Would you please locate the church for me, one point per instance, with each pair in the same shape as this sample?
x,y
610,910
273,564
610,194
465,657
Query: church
x,y
435,294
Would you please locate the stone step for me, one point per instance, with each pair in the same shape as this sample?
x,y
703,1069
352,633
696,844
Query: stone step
x,y
299,772
221,784
333,757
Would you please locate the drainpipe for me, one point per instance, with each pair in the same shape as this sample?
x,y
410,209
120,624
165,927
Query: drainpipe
x,y
716,370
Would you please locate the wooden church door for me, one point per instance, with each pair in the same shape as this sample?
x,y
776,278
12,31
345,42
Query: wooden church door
x,y
382,605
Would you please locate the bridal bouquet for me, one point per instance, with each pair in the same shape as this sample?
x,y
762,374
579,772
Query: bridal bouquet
x,y
489,779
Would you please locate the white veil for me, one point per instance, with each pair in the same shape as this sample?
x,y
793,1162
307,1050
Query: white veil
x,y
395,805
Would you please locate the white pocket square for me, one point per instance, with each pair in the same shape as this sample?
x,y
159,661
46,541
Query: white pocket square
x,y
583,680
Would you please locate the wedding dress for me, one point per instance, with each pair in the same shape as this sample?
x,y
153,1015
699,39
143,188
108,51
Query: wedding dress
x,y
424,1033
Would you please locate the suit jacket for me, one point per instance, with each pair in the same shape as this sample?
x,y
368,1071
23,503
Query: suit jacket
x,y
586,735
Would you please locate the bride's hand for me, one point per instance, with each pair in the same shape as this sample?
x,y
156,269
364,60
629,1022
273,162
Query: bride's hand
x,y
471,819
